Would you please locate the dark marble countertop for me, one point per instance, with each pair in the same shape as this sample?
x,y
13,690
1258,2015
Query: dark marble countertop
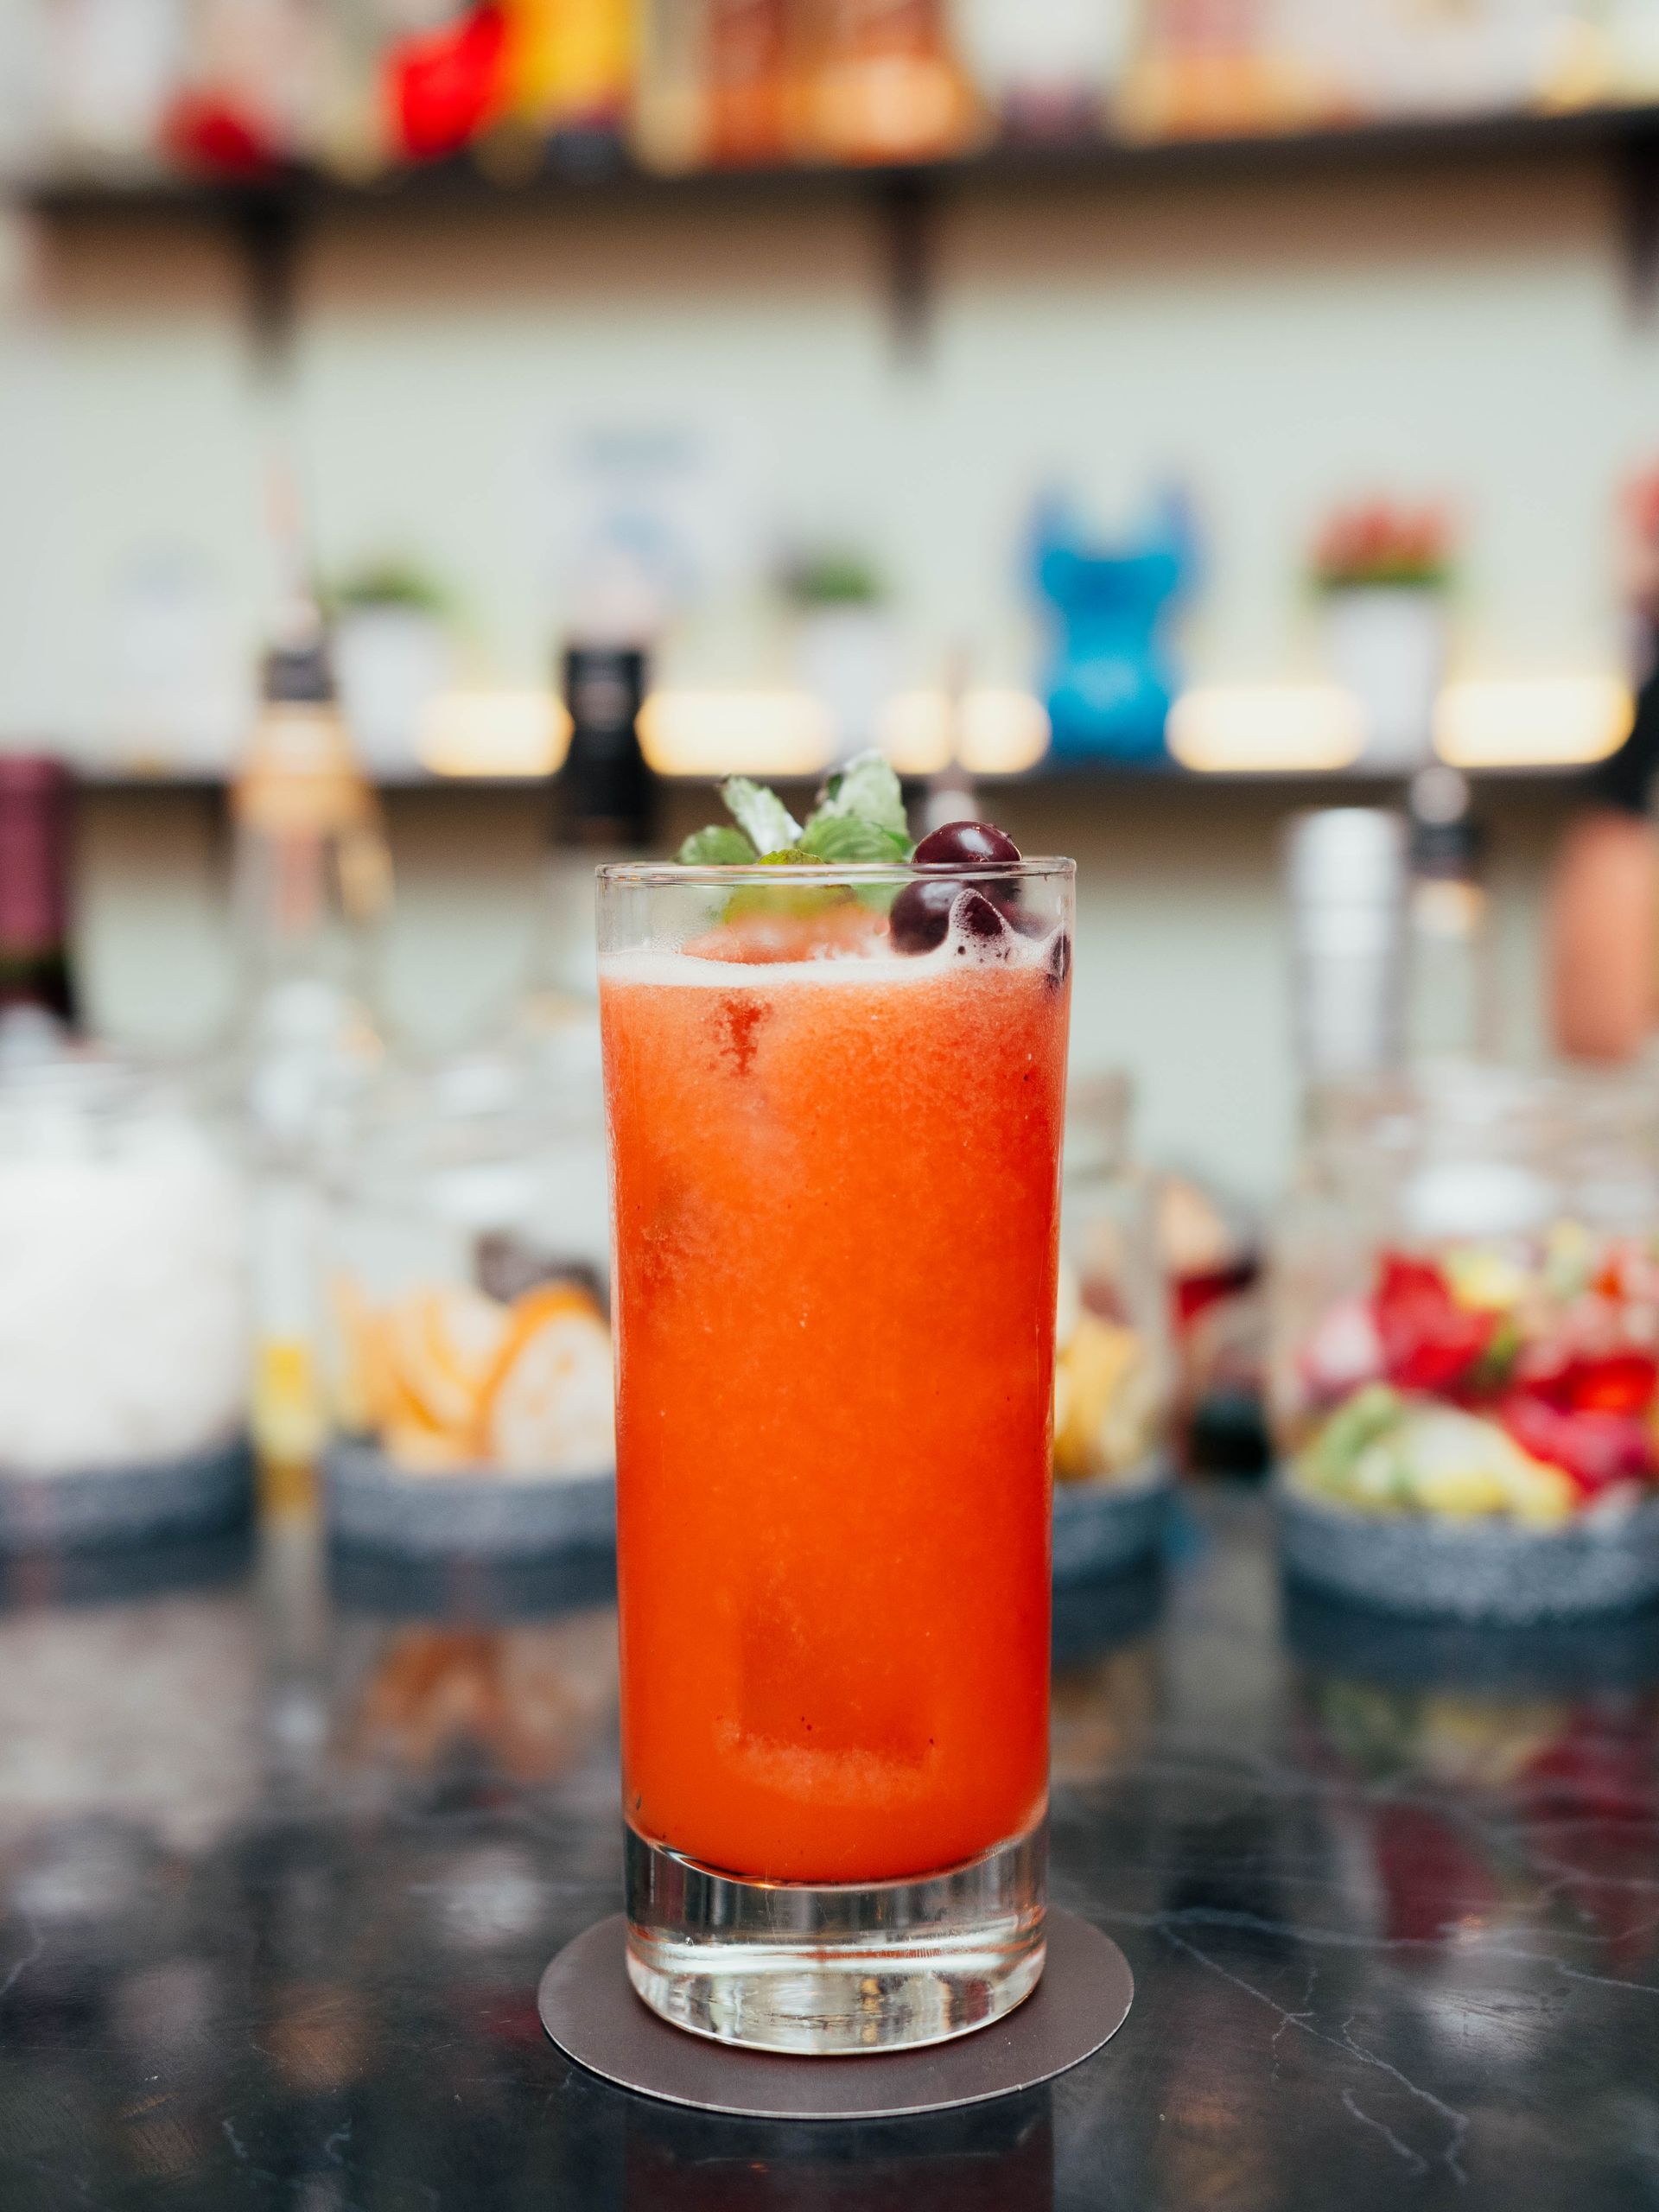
x,y
280,1863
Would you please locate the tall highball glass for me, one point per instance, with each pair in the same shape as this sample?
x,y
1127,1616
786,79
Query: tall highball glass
x,y
835,1176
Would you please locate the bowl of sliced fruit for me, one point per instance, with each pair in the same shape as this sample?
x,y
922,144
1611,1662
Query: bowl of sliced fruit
x,y
1466,1364
468,1342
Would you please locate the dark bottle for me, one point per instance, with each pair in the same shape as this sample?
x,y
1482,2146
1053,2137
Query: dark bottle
x,y
607,792
36,967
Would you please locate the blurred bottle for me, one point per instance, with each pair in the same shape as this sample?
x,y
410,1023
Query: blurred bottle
x,y
604,808
883,83
1046,68
37,984
348,128
1346,876
571,66
1452,1000
246,103
670,107
26,107
112,69
747,63
1217,68
607,791
313,879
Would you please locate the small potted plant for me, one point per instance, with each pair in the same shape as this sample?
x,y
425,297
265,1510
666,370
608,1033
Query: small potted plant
x,y
1383,573
845,650
393,655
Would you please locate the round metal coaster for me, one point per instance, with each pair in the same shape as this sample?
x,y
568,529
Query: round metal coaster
x,y
589,2007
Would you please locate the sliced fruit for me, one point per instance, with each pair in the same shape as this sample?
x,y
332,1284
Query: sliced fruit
x,y
1103,1400
549,1407
1483,1282
444,1344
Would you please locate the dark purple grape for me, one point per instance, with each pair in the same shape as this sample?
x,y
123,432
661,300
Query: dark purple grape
x,y
959,842
921,914
975,843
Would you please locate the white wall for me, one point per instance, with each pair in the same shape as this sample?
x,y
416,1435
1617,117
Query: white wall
x,y
1278,346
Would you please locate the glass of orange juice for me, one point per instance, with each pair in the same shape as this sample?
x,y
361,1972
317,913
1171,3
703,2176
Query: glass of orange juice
x,y
835,1102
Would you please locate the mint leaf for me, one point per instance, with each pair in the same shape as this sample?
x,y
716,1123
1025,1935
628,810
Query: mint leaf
x,y
719,846
760,814
867,789
847,839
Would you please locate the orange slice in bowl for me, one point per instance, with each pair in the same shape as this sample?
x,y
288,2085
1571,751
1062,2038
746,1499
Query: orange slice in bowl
x,y
444,1344
547,1409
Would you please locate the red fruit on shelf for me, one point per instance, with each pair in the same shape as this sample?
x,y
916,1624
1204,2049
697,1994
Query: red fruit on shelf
x,y
446,85
204,133
1430,1343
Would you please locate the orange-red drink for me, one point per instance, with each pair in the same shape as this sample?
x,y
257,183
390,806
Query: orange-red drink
x,y
836,1181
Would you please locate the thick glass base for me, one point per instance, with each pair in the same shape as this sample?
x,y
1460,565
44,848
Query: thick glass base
x,y
840,1969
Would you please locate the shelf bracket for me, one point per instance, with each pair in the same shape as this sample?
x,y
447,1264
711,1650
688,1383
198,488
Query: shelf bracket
x,y
266,226
904,204
1639,186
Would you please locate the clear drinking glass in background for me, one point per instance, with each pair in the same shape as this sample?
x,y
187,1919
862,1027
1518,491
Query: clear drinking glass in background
x,y
835,1173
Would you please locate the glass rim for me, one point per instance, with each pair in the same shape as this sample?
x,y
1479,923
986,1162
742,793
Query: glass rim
x,y
664,875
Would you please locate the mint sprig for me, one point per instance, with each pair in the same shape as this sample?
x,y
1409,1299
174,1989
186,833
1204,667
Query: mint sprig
x,y
760,814
847,839
866,789
859,818
718,846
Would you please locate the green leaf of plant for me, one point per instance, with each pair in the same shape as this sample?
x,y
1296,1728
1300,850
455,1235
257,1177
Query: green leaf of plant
x,y
849,839
867,789
718,846
760,814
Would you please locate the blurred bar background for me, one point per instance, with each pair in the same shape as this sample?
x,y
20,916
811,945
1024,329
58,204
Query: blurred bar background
x,y
860,360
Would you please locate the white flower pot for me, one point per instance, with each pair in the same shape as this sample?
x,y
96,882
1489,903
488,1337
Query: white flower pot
x,y
1385,644
848,657
390,662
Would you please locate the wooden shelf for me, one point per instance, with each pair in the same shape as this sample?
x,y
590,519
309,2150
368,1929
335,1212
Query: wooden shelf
x,y
269,216
608,173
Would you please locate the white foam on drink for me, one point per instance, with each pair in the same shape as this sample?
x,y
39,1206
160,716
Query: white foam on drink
x,y
960,950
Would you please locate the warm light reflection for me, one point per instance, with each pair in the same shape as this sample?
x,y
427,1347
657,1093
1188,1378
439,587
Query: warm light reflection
x,y
736,732
1537,723
1262,729
488,734
996,732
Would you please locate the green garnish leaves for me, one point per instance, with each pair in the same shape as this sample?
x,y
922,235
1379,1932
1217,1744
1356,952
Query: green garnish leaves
x,y
866,789
846,839
718,846
760,814
858,821
784,898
